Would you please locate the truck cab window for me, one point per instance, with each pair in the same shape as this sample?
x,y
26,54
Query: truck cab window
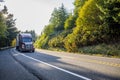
x,y
27,40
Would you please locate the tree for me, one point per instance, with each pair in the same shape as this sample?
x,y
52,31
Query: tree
x,y
12,30
87,29
5,10
55,26
111,17
58,18
2,26
78,5
70,22
3,30
7,28
49,29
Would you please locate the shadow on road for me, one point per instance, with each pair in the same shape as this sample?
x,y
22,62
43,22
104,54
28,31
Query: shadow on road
x,y
94,75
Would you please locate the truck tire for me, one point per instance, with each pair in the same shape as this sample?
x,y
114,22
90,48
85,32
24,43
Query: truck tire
x,y
16,47
33,51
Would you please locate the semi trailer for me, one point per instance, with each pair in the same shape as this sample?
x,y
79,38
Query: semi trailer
x,y
24,42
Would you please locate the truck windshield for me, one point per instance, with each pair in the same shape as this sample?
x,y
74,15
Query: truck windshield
x,y
27,39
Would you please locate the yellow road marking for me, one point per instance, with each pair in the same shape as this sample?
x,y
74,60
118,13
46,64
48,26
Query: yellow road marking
x,y
102,62
96,61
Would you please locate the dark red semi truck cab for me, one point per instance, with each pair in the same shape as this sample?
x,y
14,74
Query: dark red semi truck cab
x,y
24,42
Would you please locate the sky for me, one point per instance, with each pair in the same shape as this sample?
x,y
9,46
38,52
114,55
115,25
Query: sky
x,y
34,14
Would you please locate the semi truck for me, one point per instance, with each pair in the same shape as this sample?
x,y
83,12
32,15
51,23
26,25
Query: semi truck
x,y
24,42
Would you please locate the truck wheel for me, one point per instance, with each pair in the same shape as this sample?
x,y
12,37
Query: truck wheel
x,y
20,50
16,47
33,51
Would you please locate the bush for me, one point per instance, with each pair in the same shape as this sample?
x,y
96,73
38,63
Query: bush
x,y
42,42
58,39
13,44
102,49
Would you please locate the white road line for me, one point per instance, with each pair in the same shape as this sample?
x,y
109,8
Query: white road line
x,y
77,75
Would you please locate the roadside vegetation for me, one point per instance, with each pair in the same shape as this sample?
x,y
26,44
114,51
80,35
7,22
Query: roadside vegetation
x,y
92,28
8,31
111,50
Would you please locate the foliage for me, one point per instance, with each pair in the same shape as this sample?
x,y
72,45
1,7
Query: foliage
x,y
49,29
111,17
13,44
11,29
2,26
78,5
87,30
58,39
8,31
70,43
42,41
70,22
58,18
48,37
102,49
92,22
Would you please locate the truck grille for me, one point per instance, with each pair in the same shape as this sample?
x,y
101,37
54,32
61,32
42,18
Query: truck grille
x,y
29,46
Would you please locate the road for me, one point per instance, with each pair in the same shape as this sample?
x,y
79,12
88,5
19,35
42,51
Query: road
x,y
52,65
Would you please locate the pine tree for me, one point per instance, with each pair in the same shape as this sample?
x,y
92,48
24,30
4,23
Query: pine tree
x,y
58,18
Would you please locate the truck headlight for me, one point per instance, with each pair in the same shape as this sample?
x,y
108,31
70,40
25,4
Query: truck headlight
x,y
23,46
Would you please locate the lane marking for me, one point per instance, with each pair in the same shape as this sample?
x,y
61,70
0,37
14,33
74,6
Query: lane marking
x,y
96,61
58,68
102,62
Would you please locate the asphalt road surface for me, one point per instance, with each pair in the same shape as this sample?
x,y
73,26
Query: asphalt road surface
x,y
49,65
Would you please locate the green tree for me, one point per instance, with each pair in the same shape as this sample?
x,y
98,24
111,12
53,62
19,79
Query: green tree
x,y
3,31
78,5
5,10
57,40
88,23
2,26
7,28
11,29
55,26
111,17
71,20
58,18
49,29
88,29
42,41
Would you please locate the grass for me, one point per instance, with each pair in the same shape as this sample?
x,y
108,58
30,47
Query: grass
x,y
107,50
57,49
111,50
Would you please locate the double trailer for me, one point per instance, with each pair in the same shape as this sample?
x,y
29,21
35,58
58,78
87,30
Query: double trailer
x,y
24,42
